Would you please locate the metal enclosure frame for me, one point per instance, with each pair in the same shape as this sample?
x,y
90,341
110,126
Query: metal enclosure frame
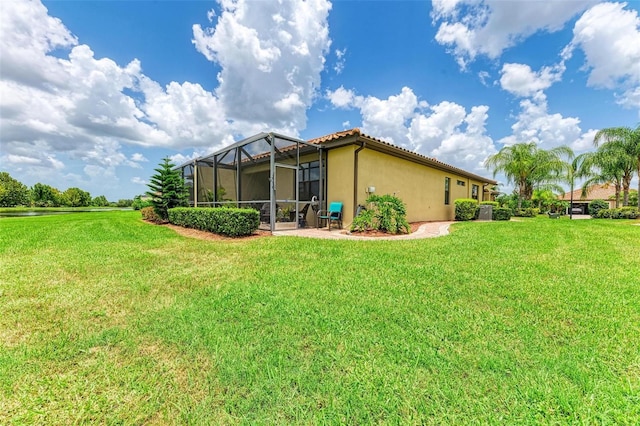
x,y
238,171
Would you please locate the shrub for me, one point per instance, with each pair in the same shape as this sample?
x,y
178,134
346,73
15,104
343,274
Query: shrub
x,y
388,214
629,212
232,222
364,221
489,203
138,203
620,213
149,214
527,212
558,206
466,209
501,213
596,205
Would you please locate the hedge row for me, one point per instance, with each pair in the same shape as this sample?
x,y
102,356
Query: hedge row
x,y
232,222
501,213
467,209
528,212
620,213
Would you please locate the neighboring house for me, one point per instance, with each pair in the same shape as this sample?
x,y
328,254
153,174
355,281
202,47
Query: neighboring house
x,y
283,176
597,192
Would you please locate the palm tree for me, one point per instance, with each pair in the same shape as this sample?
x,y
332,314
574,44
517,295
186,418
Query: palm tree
x,y
529,167
579,167
606,166
628,140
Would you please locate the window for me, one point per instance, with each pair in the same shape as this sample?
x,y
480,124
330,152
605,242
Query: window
x,y
309,184
446,190
474,192
461,183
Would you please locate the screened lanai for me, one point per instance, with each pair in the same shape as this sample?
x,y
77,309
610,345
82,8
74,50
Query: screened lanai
x,y
280,176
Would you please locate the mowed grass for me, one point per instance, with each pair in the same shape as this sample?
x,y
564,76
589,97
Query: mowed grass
x,y
107,319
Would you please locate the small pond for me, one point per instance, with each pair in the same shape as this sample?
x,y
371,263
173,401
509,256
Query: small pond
x,y
29,213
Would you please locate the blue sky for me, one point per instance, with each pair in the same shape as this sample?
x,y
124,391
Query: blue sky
x,y
95,94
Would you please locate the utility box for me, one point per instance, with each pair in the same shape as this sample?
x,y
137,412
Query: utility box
x,y
486,212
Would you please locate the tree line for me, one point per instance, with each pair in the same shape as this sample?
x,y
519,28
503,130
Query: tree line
x,y
14,193
536,172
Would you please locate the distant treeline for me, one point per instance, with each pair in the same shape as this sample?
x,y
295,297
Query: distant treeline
x,y
14,193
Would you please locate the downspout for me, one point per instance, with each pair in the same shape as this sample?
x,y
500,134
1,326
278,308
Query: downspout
x,y
215,181
355,177
195,183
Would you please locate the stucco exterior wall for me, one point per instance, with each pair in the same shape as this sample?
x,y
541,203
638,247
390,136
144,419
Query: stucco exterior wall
x,y
422,188
340,179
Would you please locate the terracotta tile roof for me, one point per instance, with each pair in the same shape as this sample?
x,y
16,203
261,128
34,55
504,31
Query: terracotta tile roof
x,y
337,135
597,192
356,132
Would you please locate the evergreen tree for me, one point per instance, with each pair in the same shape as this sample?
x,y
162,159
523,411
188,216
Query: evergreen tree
x,y
167,189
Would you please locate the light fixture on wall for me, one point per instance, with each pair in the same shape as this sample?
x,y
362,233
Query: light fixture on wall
x,y
370,189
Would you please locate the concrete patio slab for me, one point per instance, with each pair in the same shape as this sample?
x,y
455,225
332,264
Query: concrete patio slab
x,y
426,230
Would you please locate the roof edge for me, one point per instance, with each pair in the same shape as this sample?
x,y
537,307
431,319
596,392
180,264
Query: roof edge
x,y
352,136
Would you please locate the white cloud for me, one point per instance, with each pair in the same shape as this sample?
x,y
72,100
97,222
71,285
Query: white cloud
x,y
585,142
444,8
97,172
487,27
521,80
341,97
340,60
211,14
385,118
179,159
630,99
187,114
445,130
138,180
609,36
20,159
484,76
81,107
27,34
271,54
454,136
139,158
535,124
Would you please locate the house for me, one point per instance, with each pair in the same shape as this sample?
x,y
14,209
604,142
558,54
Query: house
x,y
283,176
606,192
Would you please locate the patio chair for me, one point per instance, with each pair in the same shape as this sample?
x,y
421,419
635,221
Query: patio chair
x,y
333,214
302,216
265,212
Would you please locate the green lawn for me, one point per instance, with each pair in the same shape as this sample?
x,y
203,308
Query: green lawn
x,y
106,319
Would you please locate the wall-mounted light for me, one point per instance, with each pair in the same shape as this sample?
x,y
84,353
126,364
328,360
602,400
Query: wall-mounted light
x,y
370,189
